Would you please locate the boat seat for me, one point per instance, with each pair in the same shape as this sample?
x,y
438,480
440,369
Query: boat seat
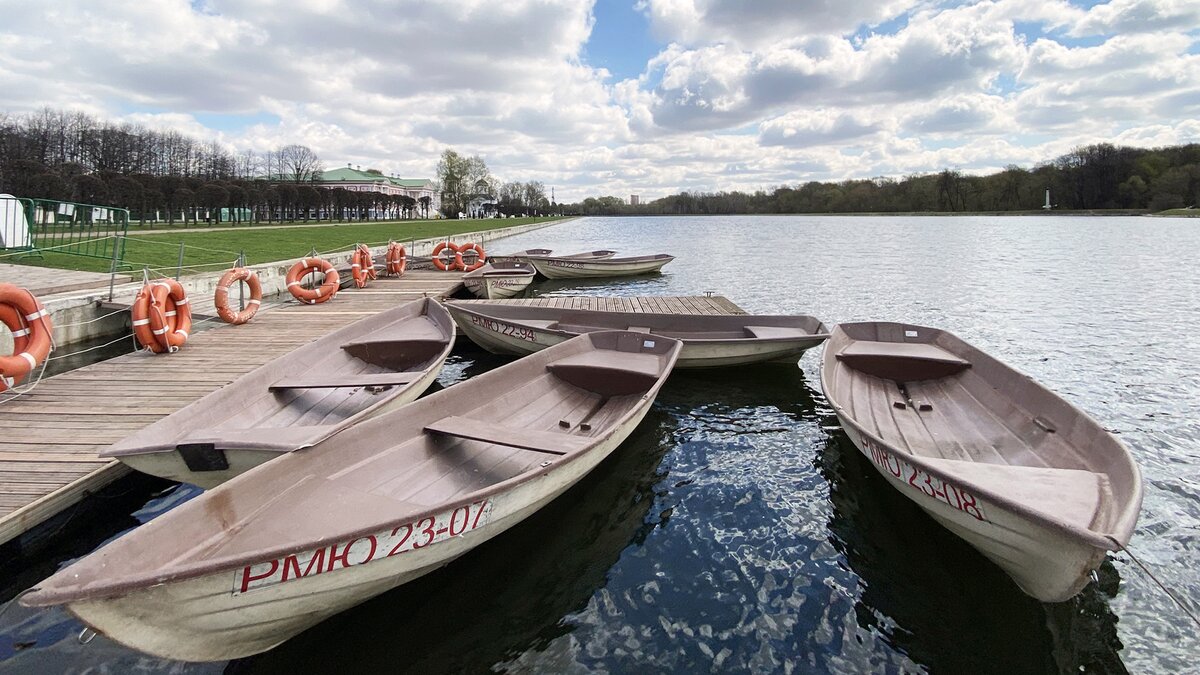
x,y
334,382
901,361
776,332
550,442
1072,496
607,372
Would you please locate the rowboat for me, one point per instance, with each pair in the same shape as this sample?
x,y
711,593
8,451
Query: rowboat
x,y
527,254
300,398
709,341
579,268
266,555
497,280
1020,474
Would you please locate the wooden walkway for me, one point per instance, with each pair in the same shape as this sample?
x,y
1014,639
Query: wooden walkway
x,y
49,460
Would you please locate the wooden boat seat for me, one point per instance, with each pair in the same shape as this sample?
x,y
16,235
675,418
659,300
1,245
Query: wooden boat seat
x,y
776,332
333,382
1073,496
901,361
608,373
550,442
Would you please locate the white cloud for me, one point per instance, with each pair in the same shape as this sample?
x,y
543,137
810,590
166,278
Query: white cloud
x,y
747,95
763,22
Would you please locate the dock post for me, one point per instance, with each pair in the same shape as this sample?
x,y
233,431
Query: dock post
x,y
112,268
179,268
241,262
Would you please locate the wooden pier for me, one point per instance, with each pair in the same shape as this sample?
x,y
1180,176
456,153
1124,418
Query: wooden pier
x,y
49,457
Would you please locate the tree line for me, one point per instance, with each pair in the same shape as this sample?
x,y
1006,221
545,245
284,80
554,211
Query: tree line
x,y
467,184
72,156
1100,176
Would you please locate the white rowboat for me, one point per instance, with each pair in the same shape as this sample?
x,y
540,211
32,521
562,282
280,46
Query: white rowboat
x,y
709,341
581,268
266,555
1023,476
366,368
499,280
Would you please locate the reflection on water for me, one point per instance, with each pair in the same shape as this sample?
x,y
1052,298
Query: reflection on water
x,y
739,530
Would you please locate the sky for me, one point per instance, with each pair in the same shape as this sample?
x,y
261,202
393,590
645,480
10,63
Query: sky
x,y
620,97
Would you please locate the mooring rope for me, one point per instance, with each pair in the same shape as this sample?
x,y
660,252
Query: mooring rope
x,y
16,597
1161,585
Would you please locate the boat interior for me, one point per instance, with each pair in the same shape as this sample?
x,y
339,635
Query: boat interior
x,y
517,419
967,415
292,401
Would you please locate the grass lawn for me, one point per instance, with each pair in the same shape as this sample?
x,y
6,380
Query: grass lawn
x,y
263,245
1185,213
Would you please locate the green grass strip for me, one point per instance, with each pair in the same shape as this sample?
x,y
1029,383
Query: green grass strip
x,y
207,251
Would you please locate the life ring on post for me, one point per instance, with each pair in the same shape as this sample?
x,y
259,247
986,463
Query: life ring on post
x,y
480,257
32,330
170,314
318,294
445,263
221,298
396,258
362,266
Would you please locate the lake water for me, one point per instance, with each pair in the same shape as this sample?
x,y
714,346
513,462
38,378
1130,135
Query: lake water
x,y
739,530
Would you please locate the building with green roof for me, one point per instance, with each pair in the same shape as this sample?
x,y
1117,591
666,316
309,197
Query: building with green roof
x,y
373,180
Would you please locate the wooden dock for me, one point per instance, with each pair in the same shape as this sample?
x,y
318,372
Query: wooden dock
x,y
49,458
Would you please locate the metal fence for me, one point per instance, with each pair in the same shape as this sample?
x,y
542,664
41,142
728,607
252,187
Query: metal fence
x,y
51,226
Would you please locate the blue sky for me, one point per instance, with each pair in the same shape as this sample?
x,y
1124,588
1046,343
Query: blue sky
x,y
563,91
621,41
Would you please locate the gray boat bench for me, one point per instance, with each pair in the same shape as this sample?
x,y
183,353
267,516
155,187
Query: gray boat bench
x,y
363,380
901,361
550,442
1071,496
609,373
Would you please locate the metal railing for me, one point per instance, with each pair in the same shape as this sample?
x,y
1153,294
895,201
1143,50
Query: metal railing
x,y
72,228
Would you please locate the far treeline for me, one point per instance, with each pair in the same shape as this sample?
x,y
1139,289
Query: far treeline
x,y
166,175
1093,177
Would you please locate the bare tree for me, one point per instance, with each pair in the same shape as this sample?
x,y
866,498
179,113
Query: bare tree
x,y
299,163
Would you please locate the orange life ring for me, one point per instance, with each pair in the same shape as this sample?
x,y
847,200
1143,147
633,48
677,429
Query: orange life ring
x,y
33,334
396,258
318,294
445,263
170,314
480,257
140,313
362,266
221,299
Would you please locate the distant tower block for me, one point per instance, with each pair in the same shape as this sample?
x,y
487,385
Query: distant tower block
x,y
634,200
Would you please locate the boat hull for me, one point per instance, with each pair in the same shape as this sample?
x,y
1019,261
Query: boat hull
x,y
204,619
501,337
559,268
498,287
1046,564
170,464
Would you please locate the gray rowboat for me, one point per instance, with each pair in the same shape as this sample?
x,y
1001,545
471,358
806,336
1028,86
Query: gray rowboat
x,y
709,341
587,268
1026,478
280,548
366,368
